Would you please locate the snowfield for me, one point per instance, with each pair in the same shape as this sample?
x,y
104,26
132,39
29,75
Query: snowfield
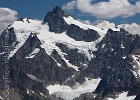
x,y
68,93
123,96
49,39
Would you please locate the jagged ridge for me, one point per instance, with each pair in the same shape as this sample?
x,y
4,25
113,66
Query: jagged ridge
x,y
76,56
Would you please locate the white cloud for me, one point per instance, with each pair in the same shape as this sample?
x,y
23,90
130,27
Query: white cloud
x,y
2,26
85,22
69,5
131,28
103,24
105,10
7,16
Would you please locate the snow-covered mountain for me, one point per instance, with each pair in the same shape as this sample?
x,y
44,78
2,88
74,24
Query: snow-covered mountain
x,y
60,58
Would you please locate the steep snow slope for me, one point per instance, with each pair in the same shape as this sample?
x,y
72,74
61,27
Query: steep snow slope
x,y
136,59
48,39
71,20
101,32
23,30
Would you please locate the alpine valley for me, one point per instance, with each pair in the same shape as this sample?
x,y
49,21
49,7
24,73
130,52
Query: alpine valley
x,y
60,58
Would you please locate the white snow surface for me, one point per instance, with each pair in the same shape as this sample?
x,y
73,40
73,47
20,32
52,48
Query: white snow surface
x,y
32,77
49,39
1,97
33,53
137,61
71,20
2,53
68,93
28,91
122,46
70,65
116,29
124,57
123,96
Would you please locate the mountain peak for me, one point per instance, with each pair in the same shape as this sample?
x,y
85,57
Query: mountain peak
x,y
57,8
64,53
59,11
55,20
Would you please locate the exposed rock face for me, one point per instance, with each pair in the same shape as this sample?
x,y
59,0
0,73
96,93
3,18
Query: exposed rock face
x,y
58,58
74,57
29,46
88,96
7,37
113,62
58,25
80,34
33,74
55,20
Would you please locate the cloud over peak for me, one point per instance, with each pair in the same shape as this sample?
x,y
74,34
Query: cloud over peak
x,y
104,10
104,24
131,28
69,6
7,16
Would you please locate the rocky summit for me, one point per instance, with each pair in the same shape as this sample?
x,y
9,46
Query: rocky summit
x,y
61,58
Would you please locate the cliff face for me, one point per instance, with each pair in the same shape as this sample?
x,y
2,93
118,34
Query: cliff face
x,y
72,59
55,20
80,34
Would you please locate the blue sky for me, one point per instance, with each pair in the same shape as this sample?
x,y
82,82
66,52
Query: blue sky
x,y
32,8
88,11
38,8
